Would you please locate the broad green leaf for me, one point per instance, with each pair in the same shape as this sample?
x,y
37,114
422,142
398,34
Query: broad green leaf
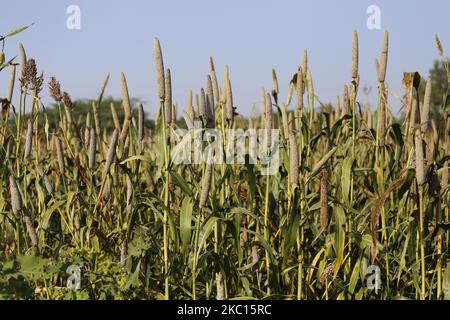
x,y
14,32
179,181
339,236
186,222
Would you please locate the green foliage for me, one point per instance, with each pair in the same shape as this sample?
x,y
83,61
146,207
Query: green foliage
x,y
82,107
138,230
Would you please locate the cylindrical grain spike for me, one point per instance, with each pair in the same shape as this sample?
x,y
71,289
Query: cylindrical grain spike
x,y
92,148
382,117
229,105
223,96
87,129
60,155
211,64
202,103
129,190
209,102
107,191
17,207
197,107
337,108
111,151
418,143
290,94
16,198
300,88
47,183
263,107
141,122
310,87
115,116
322,161
345,101
105,84
190,108
97,125
127,147
355,55
220,292
275,87
384,58
305,62
269,119
174,114
30,227
285,122
22,59
188,120
125,96
67,102
206,185
415,115
324,199
159,65
12,79
439,46
293,155
125,128
214,81
426,107
168,98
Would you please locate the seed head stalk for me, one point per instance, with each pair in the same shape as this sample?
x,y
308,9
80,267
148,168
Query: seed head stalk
x,y
268,118
166,204
162,85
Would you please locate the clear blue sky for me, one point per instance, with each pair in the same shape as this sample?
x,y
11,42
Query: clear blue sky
x,y
251,36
